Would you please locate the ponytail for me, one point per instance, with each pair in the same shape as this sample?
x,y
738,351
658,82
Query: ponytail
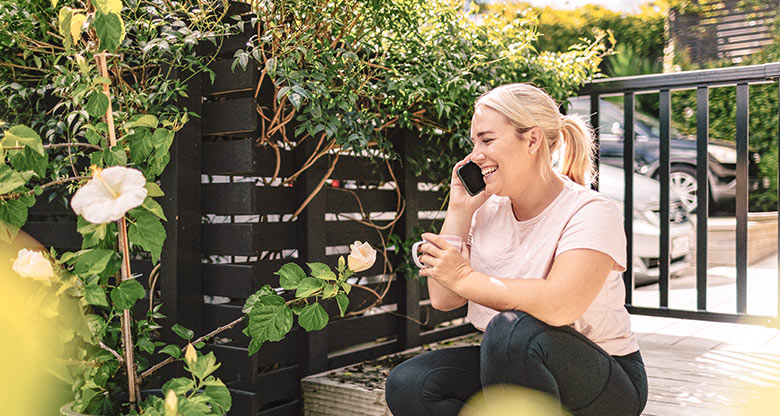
x,y
578,157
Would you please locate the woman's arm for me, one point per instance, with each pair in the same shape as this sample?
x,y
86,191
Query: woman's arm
x,y
574,281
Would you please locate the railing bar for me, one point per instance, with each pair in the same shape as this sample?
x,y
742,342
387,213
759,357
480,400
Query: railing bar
x,y
742,195
628,191
763,73
595,111
702,196
664,115
769,321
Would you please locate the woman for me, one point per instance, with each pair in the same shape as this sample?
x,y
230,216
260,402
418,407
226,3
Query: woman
x,y
540,272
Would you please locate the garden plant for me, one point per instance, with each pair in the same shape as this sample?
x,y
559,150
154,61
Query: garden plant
x,y
90,106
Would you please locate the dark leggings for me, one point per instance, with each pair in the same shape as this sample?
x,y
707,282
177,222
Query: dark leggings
x,y
519,349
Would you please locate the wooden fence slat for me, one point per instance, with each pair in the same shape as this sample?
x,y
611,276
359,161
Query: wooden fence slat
x,y
244,157
230,117
61,235
360,329
347,232
352,200
235,363
247,239
246,198
227,80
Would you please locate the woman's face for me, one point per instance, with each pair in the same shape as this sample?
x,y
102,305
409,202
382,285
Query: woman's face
x,y
506,158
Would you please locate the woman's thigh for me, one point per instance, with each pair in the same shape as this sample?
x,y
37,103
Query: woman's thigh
x,y
435,383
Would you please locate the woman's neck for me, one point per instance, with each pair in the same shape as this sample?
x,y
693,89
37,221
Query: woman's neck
x,y
540,194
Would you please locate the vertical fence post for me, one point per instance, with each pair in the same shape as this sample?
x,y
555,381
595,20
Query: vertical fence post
x,y
628,192
702,195
409,302
180,262
595,114
743,117
665,112
311,241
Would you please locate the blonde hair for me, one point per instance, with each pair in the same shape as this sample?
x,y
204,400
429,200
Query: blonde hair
x,y
526,106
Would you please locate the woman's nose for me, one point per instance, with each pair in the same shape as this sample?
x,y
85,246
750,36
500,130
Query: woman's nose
x,y
477,156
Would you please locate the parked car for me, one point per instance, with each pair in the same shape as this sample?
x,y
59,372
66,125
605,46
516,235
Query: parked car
x,y
647,224
722,155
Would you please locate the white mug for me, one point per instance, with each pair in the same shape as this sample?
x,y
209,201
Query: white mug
x,y
453,240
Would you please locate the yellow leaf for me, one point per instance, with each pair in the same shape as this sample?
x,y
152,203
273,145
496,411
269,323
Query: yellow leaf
x,y
108,6
64,18
75,26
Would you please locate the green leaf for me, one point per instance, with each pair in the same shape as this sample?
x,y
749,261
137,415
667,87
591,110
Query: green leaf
x,y
29,159
110,30
153,190
101,80
321,271
313,317
219,398
147,232
270,320
329,291
10,179
22,136
343,302
93,261
254,297
205,365
346,287
162,140
172,350
154,207
95,295
308,287
92,136
290,275
146,345
140,145
183,332
146,120
179,385
97,104
92,233
115,156
127,293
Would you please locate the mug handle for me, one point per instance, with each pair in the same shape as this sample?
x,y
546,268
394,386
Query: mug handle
x,y
415,256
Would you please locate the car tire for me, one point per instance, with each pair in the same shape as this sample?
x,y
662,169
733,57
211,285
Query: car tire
x,y
683,179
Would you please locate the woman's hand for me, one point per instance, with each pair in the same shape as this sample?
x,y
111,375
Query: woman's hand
x,y
460,200
447,266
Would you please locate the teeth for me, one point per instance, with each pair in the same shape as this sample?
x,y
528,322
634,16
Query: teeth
x,y
488,171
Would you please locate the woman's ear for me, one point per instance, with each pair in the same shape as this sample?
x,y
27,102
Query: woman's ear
x,y
535,137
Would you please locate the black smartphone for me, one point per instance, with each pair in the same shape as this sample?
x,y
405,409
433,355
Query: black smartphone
x,y
471,176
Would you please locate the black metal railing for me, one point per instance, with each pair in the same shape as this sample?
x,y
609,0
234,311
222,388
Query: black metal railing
x,y
664,84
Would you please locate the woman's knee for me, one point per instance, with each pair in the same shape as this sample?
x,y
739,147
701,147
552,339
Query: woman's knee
x,y
402,387
510,324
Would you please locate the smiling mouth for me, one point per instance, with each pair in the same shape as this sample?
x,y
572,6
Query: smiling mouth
x,y
489,171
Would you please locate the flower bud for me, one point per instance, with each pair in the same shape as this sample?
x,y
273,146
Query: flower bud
x,y
361,256
171,404
190,356
33,265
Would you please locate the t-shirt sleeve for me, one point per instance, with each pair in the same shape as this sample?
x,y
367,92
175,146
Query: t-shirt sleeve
x,y
597,225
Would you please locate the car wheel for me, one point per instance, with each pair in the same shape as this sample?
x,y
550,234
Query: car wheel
x,y
683,180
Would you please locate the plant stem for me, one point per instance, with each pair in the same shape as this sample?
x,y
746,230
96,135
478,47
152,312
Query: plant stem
x,y
44,186
114,353
57,145
124,247
171,359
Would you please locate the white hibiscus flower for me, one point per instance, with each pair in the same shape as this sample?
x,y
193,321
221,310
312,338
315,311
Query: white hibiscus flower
x,y
109,194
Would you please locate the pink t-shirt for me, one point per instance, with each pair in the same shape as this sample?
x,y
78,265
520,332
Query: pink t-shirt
x,y
578,218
